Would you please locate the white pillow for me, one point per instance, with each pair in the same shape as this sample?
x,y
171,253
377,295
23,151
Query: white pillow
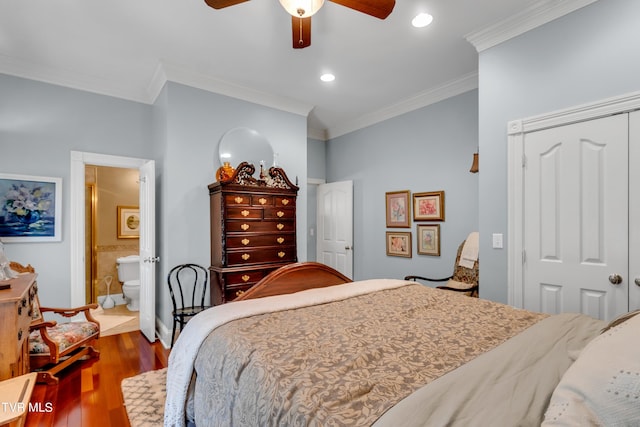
x,y
602,387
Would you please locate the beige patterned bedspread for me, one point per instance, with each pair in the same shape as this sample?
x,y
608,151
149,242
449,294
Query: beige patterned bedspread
x,y
344,363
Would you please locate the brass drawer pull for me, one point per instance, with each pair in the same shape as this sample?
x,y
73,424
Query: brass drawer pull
x,y
280,226
245,277
244,213
281,254
238,293
244,227
245,242
238,199
246,256
262,201
280,240
280,214
285,202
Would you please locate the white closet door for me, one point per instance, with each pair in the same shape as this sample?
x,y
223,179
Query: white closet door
x,y
634,210
576,218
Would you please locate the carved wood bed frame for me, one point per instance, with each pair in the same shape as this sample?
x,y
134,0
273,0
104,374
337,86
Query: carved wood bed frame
x,y
294,278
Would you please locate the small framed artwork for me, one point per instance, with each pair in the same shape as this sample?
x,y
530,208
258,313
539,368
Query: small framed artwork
x,y
397,204
399,243
429,239
30,208
128,222
428,206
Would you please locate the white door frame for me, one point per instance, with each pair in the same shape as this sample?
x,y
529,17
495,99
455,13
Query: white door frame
x,y
516,130
77,218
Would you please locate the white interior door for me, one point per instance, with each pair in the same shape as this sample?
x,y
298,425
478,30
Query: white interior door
x,y
634,211
335,226
148,250
576,218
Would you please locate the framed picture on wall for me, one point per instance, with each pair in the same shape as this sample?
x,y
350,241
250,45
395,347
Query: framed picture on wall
x,y
428,206
399,244
30,208
429,239
397,206
128,222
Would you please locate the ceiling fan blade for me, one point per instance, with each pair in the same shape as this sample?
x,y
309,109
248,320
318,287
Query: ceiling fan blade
x,y
301,31
220,4
378,8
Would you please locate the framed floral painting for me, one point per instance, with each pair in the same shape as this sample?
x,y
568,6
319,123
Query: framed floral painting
x,y
30,208
428,206
429,239
398,209
399,244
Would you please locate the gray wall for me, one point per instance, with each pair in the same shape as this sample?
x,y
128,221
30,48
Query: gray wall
x,y
586,56
316,165
39,125
195,121
429,149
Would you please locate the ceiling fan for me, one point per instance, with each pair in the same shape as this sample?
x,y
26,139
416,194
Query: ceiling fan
x,y
301,11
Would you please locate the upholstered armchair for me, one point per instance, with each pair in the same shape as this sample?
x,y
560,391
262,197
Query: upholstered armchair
x,y
54,346
463,279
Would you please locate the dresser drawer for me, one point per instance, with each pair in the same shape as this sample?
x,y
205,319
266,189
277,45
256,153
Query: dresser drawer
x,y
262,255
237,199
244,213
285,201
279,213
236,226
261,200
248,240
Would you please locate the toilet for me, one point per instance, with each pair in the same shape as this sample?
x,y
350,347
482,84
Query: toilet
x,y
129,275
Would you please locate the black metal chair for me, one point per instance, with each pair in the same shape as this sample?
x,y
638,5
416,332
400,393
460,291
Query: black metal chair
x,y
187,286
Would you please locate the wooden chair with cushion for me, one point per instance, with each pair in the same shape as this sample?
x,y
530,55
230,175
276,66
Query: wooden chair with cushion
x,y
463,279
54,346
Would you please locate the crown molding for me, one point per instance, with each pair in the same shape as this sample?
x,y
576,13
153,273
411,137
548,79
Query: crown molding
x,y
66,78
531,17
422,99
168,72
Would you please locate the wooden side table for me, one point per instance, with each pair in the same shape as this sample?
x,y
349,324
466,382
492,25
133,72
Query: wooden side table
x,y
15,395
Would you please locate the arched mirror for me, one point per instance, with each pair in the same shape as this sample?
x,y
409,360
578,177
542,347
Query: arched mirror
x,y
245,145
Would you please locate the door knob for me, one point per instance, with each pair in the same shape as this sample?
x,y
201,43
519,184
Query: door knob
x,y
615,279
348,248
637,281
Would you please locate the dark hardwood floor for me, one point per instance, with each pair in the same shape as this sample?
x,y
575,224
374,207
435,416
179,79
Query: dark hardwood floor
x,y
89,393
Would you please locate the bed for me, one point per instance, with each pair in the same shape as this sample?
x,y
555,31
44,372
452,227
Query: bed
x,y
308,347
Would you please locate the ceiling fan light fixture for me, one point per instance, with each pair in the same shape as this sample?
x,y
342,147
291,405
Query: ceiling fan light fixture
x,y
421,20
302,8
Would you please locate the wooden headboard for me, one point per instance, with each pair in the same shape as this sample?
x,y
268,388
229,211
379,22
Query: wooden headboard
x,y
294,278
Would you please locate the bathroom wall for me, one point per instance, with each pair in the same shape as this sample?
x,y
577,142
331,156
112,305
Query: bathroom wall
x,y
114,187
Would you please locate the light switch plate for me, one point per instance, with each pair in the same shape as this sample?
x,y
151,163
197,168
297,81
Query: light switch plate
x,y
497,240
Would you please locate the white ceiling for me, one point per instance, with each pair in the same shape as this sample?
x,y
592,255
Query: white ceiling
x,y
128,49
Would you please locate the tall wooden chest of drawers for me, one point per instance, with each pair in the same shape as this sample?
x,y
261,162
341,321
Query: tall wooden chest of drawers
x,y
16,310
253,230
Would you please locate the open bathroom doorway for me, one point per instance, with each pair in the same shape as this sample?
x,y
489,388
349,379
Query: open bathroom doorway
x,y
111,233
148,259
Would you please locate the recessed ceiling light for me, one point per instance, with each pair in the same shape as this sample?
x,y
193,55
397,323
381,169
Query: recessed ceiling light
x,y
327,77
421,20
